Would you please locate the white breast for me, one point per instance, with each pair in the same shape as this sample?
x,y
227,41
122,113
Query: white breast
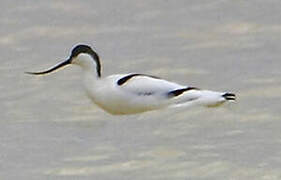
x,y
137,95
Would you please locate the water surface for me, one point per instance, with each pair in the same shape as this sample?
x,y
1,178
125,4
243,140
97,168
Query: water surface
x,y
50,130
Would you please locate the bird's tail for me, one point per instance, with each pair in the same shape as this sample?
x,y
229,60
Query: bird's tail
x,y
213,98
204,97
229,96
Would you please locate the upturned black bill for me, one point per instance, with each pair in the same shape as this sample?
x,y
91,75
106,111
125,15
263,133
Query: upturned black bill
x,y
59,65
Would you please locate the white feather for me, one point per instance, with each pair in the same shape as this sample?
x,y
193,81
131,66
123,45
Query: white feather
x,y
134,93
143,93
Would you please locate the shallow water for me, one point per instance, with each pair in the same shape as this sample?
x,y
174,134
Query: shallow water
x,y
50,130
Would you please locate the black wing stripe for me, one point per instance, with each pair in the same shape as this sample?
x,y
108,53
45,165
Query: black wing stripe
x,y
124,79
178,92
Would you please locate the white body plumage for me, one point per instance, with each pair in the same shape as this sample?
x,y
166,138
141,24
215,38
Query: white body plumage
x,y
135,93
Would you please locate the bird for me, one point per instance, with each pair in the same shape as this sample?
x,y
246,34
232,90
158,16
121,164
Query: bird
x,y
133,93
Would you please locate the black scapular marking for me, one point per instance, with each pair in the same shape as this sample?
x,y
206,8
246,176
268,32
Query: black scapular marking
x,y
123,80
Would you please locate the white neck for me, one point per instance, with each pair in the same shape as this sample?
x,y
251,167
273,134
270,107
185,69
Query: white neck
x,y
91,82
91,71
88,64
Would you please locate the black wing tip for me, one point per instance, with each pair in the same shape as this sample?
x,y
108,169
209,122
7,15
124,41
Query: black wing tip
x,y
229,96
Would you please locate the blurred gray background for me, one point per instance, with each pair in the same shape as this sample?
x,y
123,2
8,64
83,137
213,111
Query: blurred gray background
x,y
49,129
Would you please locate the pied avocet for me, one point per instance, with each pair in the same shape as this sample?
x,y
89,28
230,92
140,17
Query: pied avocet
x,y
134,93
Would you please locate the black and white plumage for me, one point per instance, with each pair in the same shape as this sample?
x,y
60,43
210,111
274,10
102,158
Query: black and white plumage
x,y
134,93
